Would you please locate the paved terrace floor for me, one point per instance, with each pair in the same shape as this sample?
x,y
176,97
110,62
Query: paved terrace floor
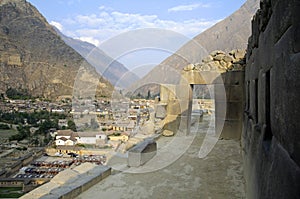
x,y
218,175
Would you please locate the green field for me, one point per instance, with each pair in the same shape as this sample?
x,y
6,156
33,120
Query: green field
x,y
7,133
10,192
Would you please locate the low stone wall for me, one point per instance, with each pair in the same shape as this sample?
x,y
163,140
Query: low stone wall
x,y
71,182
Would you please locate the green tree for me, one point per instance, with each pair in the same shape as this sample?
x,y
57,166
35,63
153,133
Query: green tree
x,y
94,124
46,125
2,97
139,95
72,125
13,93
149,94
4,126
23,132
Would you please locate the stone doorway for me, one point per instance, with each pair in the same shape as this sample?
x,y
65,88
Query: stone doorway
x,y
228,95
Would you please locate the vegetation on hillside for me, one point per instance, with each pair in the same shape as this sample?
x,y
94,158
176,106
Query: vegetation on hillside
x,y
15,94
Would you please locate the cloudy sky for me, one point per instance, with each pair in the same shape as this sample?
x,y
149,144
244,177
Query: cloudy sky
x,y
96,21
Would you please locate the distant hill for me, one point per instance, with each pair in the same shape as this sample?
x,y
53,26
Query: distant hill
x,y
112,70
231,33
34,58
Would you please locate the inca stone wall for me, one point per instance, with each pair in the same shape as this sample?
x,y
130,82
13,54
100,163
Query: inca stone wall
x,y
229,92
223,70
271,138
232,122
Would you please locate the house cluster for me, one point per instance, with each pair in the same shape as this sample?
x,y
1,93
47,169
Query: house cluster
x,y
71,138
30,106
92,139
138,112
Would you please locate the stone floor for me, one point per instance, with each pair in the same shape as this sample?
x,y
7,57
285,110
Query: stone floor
x,y
218,175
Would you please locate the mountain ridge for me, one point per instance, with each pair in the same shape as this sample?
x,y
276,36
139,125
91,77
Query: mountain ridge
x,y
115,72
33,57
229,34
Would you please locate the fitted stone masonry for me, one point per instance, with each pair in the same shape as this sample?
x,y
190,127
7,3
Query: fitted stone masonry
x,y
271,139
225,71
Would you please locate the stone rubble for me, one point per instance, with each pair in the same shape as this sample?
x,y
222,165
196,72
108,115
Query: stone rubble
x,y
220,61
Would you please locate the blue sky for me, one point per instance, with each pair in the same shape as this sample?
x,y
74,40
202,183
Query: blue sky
x,y
97,21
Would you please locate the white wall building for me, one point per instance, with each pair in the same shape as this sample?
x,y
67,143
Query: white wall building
x,y
70,138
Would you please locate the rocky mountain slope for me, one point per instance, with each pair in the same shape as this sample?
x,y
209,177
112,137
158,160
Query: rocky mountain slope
x,y
231,33
33,57
112,70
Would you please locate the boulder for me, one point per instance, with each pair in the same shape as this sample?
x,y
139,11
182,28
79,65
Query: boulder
x,y
219,57
207,59
239,54
206,67
189,67
223,64
228,58
168,133
217,52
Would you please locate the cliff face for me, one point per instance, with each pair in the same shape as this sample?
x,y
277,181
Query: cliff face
x,y
231,33
271,139
34,57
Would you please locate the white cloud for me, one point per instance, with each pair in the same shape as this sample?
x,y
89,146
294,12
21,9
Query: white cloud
x,y
187,7
105,8
57,25
90,40
102,26
90,20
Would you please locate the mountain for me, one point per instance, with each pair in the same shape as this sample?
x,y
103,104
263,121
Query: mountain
x,y
112,70
34,58
231,33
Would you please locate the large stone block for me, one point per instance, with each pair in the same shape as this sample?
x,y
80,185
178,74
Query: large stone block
x,y
296,39
220,93
161,110
229,110
233,77
167,92
174,107
236,92
221,109
229,92
198,77
183,92
282,19
141,153
232,129
177,107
